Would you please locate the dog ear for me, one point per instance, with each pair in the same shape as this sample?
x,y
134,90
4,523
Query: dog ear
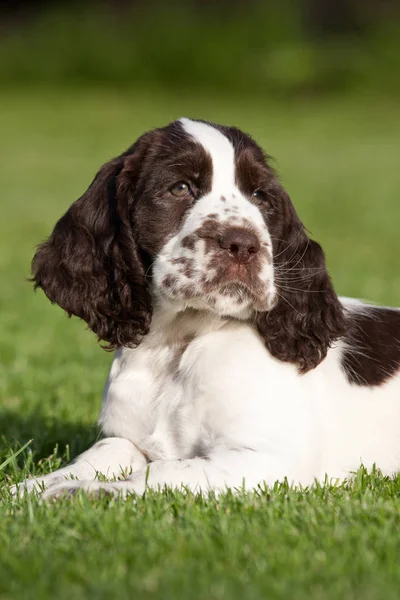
x,y
91,265
308,316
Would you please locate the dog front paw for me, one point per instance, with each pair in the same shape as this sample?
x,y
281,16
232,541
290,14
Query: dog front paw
x,y
69,489
35,484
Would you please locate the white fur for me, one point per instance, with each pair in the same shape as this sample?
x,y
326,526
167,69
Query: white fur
x,y
221,152
254,418
202,404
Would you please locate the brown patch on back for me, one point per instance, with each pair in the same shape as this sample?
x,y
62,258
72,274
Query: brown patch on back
x,y
372,354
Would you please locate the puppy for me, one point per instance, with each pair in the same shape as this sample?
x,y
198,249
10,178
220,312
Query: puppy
x,y
236,363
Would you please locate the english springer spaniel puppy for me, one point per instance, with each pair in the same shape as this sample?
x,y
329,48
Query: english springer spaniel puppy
x,y
236,363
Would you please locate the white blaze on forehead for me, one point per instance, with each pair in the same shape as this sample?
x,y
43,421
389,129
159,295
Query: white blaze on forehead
x,y
219,148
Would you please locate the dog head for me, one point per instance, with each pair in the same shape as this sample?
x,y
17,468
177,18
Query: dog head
x,y
191,216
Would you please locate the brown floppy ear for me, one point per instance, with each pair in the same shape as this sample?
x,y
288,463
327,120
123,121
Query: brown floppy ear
x,y
91,265
308,316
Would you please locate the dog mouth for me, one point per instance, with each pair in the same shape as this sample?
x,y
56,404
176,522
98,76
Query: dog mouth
x,y
221,285
238,291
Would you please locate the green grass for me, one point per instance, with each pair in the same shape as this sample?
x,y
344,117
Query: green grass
x,y
339,160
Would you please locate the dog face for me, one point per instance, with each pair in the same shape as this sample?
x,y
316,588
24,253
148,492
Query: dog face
x,y
191,216
217,252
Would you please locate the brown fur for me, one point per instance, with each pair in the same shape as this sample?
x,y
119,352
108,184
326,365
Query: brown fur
x,y
372,351
308,316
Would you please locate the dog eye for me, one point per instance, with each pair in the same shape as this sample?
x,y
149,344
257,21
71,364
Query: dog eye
x,y
180,189
259,195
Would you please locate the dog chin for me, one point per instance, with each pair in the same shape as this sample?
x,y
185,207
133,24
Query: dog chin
x,y
240,313
235,307
219,306
242,310
231,301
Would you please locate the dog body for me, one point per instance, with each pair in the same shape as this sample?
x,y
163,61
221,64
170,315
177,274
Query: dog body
x,y
236,364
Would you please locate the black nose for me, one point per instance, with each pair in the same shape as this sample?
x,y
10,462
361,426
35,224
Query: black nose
x,y
241,244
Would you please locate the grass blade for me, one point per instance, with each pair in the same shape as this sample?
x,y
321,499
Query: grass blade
x,y
10,458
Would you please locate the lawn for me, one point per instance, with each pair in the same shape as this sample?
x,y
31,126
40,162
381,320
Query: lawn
x,y
338,159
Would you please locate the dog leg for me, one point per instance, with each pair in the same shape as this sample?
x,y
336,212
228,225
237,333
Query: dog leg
x,y
111,457
235,469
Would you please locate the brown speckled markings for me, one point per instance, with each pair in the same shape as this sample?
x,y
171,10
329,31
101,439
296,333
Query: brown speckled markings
x,y
169,281
372,350
189,241
208,231
188,291
188,271
182,260
187,266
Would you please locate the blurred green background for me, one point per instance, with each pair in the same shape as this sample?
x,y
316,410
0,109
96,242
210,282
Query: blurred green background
x,y
317,83
242,46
